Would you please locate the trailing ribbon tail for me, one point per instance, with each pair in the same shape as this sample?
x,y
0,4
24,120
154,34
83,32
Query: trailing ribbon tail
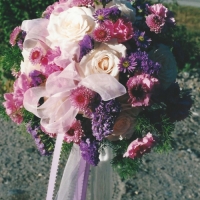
x,y
75,177
54,166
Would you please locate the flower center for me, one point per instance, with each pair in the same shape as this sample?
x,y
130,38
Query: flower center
x,y
157,20
126,64
137,91
104,63
80,99
35,55
100,17
70,132
102,34
141,38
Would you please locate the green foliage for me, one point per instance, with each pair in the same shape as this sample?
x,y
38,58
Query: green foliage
x,y
66,148
3,111
125,167
13,12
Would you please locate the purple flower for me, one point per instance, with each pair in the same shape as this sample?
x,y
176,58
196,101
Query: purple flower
x,y
144,64
42,141
37,77
142,41
104,118
127,64
101,15
86,45
89,150
104,14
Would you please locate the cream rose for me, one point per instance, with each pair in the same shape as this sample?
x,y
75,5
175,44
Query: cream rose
x,y
103,59
168,71
70,25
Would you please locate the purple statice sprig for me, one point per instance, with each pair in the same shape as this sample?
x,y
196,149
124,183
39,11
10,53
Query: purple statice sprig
x,y
86,45
37,78
44,143
90,150
144,64
104,118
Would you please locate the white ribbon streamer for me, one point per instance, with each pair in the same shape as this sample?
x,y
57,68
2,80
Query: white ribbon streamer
x,y
54,166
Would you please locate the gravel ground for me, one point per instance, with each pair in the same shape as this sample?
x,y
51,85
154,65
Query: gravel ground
x,y
174,176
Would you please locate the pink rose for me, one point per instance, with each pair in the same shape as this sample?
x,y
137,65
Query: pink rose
x,y
140,146
122,30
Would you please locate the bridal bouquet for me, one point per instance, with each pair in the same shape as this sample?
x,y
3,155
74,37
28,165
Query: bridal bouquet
x,y
98,73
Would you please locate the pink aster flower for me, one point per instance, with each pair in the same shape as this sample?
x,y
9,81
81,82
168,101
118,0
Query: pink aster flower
x,y
36,55
14,35
122,30
12,110
81,98
82,2
101,34
158,17
75,133
21,85
140,89
140,146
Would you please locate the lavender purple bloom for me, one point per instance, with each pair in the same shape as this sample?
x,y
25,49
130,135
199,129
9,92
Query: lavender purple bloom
x,y
90,150
142,41
86,45
104,14
36,77
104,118
144,64
127,64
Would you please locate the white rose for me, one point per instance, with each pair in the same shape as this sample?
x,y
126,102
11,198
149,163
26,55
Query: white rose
x,y
70,25
103,59
26,65
125,7
168,71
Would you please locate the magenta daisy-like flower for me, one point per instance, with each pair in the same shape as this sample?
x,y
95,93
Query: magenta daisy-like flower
x,y
101,34
14,35
81,97
140,89
75,133
36,55
82,2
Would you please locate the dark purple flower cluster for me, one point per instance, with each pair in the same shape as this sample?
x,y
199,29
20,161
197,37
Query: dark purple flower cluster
x,y
37,78
36,133
86,45
104,118
144,64
89,150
